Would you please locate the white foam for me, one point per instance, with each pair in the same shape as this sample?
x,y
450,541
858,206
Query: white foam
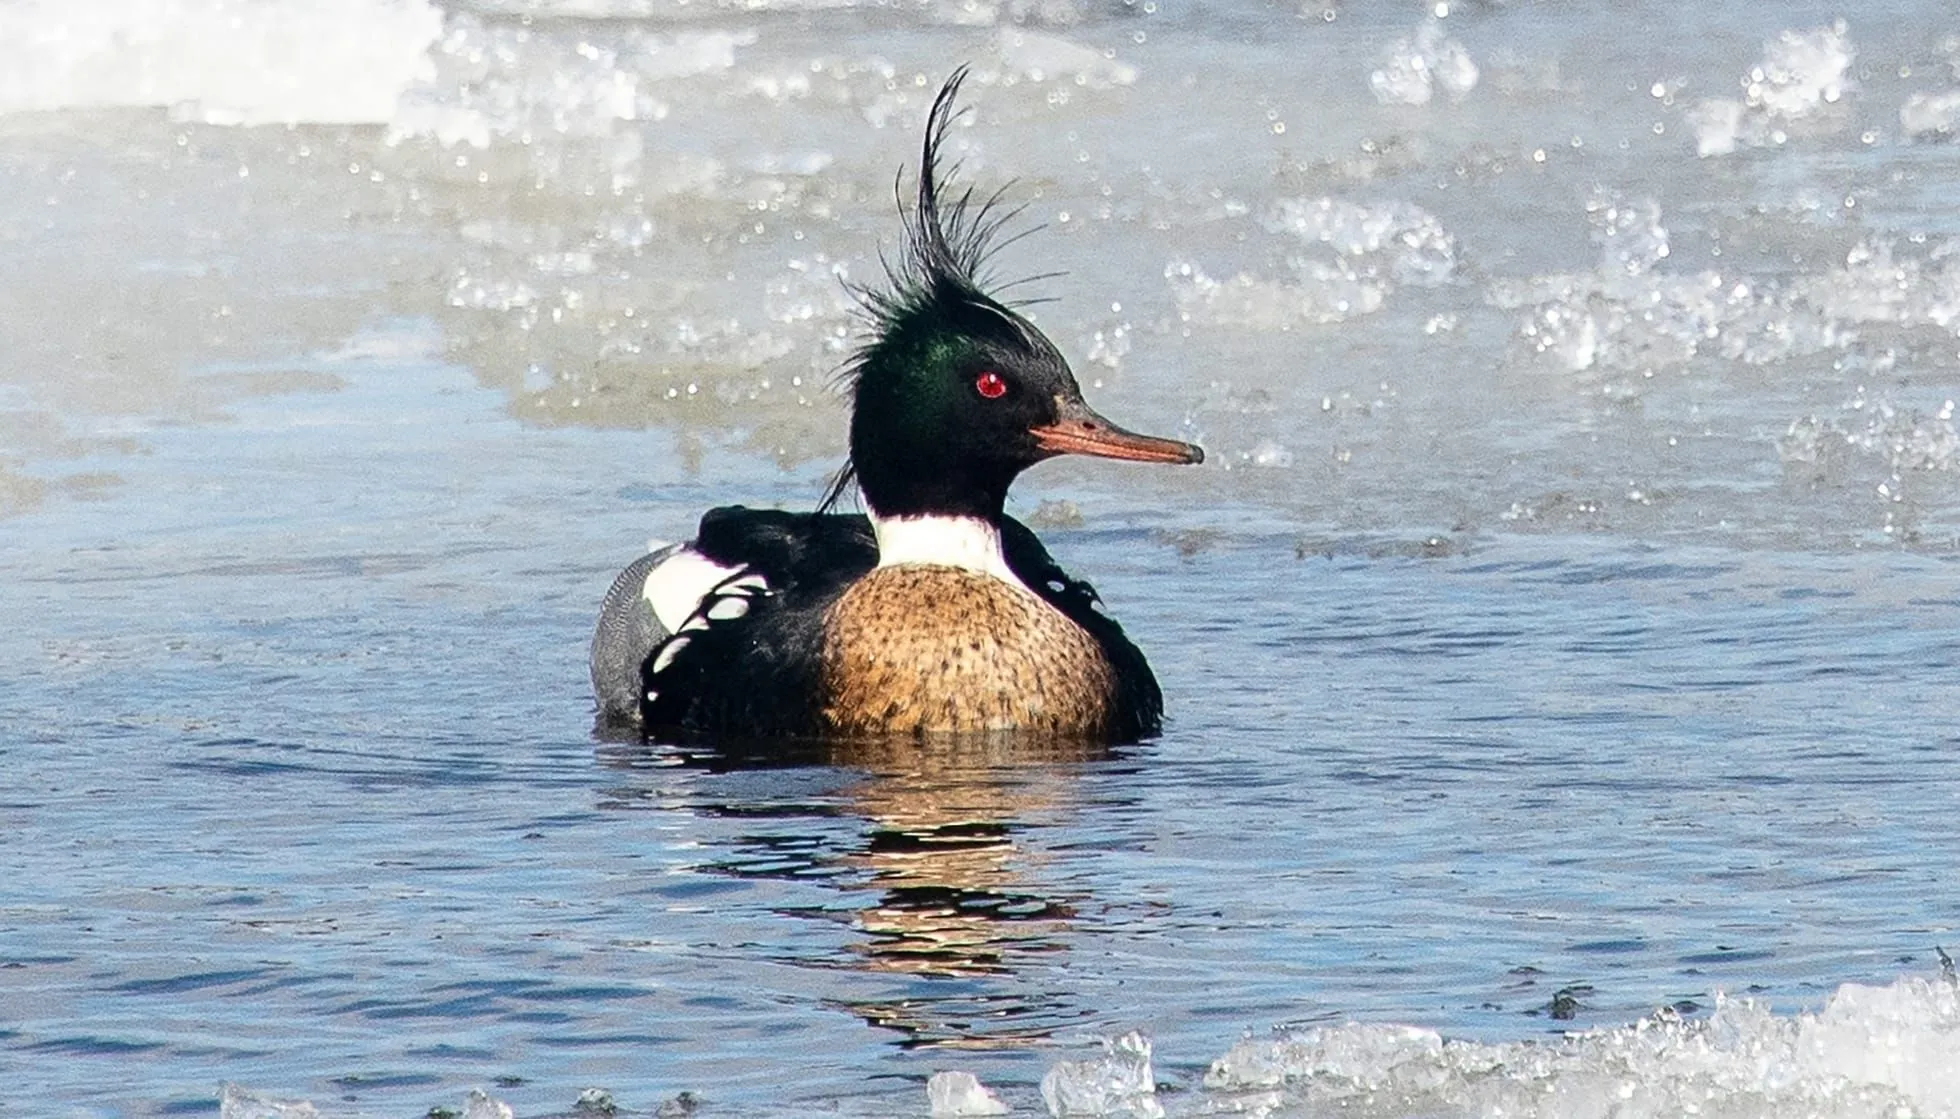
x,y
217,61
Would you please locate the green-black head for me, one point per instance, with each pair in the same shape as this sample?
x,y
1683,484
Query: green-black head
x,y
954,392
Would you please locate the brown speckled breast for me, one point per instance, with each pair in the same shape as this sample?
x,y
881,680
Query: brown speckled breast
x,y
919,648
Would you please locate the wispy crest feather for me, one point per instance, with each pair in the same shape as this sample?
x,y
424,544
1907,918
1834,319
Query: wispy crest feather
x,y
948,242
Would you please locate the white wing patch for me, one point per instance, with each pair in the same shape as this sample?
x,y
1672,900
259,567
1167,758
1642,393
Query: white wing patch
x,y
675,588
727,609
668,651
726,599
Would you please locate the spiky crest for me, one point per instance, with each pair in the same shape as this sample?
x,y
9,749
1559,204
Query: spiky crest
x,y
941,271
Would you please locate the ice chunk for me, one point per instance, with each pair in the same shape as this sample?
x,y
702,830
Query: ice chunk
x,y
1415,66
1931,114
482,1105
1120,1083
1877,285
235,1102
1718,125
1800,73
1344,1060
1629,316
1627,323
954,1095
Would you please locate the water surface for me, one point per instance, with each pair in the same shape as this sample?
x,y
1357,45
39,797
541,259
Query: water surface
x,y
1563,636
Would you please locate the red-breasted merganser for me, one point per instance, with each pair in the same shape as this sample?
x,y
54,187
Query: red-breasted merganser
x,y
937,612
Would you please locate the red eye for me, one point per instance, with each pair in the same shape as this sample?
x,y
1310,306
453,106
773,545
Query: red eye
x,y
991,385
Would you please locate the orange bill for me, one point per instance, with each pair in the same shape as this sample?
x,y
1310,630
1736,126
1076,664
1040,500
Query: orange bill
x,y
1078,430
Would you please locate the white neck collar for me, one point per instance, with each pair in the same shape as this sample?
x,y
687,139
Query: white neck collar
x,y
968,543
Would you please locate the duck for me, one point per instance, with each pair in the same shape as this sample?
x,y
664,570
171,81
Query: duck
x,y
933,611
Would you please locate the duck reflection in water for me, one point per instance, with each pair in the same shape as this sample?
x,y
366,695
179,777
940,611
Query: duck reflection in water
x,y
940,885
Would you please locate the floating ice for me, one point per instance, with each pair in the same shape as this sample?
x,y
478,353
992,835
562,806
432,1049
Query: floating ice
x,y
1352,257
1628,316
1870,1051
1347,1060
1119,1084
493,81
1800,73
1878,285
1613,322
1325,294
956,1095
1718,123
1415,66
1108,345
217,61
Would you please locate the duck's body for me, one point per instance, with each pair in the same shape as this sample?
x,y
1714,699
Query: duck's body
x,y
827,642
936,612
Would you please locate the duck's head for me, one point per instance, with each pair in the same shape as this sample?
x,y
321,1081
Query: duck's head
x,y
955,393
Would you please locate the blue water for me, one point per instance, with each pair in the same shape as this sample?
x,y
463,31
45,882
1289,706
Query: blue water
x,y
309,800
